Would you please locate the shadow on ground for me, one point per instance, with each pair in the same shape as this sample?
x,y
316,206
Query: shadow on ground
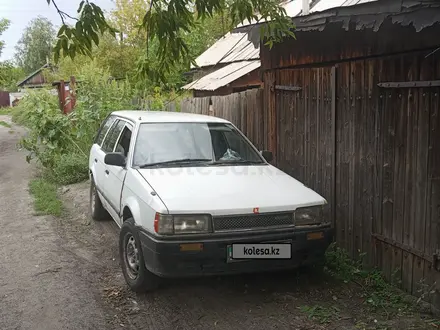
x,y
303,299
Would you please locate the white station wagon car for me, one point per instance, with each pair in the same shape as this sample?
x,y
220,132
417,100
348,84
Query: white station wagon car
x,y
194,197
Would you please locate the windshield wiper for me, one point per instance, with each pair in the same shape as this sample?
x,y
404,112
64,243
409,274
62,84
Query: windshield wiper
x,y
235,161
176,161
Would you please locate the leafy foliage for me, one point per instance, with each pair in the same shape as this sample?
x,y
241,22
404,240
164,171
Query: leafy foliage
x,y
81,37
36,44
4,25
61,143
168,26
9,75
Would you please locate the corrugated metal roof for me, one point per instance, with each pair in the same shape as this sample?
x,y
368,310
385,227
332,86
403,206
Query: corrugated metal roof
x,y
223,76
232,47
236,46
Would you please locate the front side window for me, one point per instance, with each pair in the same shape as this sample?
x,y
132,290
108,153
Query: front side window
x,y
112,135
123,144
212,143
104,128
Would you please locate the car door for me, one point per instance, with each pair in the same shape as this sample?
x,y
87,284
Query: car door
x,y
108,145
115,179
96,162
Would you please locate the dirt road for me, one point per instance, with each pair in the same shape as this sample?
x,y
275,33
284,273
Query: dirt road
x,y
42,285
63,273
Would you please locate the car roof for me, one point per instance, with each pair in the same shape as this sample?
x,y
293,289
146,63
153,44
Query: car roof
x,y
139,116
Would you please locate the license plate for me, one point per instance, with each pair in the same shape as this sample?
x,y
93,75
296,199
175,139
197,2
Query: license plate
x,y
259,251
229,256
313,236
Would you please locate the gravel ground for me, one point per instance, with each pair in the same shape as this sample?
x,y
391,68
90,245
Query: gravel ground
x,y
63,273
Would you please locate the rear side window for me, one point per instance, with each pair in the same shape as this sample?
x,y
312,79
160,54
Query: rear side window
x,y
104,128
113,134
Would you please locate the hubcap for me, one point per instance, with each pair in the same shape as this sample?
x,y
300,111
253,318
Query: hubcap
x,y
132,258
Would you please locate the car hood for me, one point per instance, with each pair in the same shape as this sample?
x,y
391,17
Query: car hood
x,y
227,190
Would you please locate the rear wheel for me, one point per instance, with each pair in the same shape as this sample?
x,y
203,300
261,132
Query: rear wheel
x,y
137,276
97,210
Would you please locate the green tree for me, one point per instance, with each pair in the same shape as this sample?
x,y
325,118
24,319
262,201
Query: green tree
x,y
169,23
4,25
9,76
36,44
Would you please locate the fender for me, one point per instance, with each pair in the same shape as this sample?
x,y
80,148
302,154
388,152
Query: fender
x,y
133,204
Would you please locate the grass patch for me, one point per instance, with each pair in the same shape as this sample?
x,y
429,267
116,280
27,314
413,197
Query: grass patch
x,y
5,124
378,294
5,111
321,314
46,200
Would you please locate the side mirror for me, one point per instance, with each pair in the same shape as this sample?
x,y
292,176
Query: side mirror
x,y
115,159
267,155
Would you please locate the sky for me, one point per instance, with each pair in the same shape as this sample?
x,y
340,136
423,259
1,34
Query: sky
x,y
21,12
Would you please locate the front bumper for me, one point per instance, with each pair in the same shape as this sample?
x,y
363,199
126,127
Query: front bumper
x,y
164,258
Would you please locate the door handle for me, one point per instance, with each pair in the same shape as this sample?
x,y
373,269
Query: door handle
x,y
96,160
107,172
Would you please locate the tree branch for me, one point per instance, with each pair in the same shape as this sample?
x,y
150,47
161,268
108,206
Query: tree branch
x,y
62,13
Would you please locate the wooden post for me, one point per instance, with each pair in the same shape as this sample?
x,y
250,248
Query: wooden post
x,y
270,114
61,94
334,144
72,93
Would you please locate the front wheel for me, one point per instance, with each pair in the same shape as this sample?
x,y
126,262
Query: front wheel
x,y
97,210
137,276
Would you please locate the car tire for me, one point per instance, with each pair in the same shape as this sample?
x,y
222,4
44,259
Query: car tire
x,y
137,276
97,210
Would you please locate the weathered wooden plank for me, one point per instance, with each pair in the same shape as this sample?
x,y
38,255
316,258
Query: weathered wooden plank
x,y
410,64
370,158
388,179
333,143
421,180
359,156
433,201
432,233
344,148
378,100
311,125
351,159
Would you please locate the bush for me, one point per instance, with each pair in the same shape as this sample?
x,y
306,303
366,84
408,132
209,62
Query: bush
x,y
61,142
70,168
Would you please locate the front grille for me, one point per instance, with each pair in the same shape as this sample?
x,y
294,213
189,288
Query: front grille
x,y
251,222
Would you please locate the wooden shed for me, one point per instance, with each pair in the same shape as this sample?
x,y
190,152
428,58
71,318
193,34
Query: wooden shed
x,y
352,110
36,79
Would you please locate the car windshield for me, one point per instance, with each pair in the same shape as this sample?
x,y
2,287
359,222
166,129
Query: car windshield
x,y
202,143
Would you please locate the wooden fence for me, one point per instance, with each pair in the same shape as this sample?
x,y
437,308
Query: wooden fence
x,y
4,99
365,134
245,110
370,148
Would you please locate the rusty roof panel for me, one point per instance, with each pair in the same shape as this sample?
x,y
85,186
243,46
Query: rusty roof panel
x,y
223,76
232,47
236,45
419,13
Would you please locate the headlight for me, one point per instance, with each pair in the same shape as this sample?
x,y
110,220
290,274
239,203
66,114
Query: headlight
x,y
309,216
182,224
